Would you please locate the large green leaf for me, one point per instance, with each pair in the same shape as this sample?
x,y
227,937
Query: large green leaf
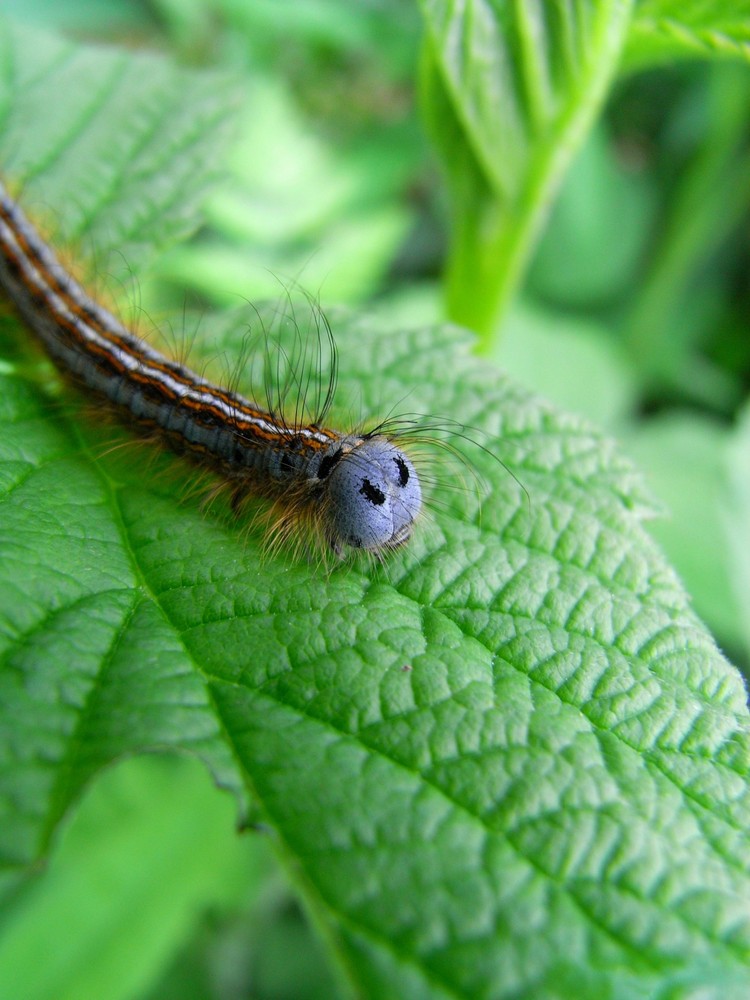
x,y
509,763
510,91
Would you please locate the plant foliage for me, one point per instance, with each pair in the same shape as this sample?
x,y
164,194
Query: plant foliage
x,y
511,762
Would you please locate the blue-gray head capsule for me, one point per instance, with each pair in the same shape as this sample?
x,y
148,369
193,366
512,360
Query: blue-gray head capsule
x,y
374,496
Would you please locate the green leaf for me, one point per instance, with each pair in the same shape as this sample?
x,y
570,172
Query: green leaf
x,y
684,456
509,94
577,264
146,132
510,762
344,239
674,306
571,361
90,17
150,848
737,518
667,29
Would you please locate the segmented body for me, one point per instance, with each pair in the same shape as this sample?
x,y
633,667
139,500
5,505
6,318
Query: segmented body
x,y
359,490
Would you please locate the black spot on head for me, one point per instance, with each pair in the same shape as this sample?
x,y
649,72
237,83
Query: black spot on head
x,y
328,463
372,493
403,471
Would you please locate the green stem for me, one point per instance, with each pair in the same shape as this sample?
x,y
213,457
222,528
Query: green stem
x,y
492,247
495,229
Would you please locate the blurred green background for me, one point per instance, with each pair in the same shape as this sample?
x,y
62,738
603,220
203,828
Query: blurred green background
x,y
634,313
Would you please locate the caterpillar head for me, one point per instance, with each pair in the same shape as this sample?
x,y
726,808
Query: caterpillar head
x,y
373,495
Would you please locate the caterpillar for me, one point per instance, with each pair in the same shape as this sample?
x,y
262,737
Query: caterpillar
x,y
354,490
